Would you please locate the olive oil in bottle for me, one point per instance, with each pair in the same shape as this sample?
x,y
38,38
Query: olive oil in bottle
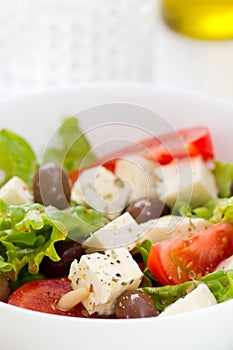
x,y
203,19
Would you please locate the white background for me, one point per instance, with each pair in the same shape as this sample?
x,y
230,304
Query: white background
x,y
62,42
194,64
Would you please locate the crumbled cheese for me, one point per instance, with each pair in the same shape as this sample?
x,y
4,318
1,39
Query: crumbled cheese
x,y
105,276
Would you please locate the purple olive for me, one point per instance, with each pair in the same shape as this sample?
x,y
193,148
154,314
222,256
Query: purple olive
x,y
5,287
51,186
135,304
67,251
231,189
145,209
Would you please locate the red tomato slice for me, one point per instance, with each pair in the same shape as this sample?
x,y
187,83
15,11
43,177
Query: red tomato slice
x,y
193,141
74,175
42,296
182,259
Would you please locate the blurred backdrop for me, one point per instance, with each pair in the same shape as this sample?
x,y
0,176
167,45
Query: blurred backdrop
x,y
53,43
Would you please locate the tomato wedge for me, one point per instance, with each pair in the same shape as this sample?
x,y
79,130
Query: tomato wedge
x,y
192,141
182,259
42,296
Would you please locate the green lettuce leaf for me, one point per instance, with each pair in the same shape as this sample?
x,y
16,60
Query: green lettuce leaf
x,y
215,210
25,277
224,176
89,220
144,249
28,233
221,210
17,158
148,278
219,282
73,150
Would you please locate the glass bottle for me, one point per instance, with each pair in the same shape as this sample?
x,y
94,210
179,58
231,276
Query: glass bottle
x,y
203,19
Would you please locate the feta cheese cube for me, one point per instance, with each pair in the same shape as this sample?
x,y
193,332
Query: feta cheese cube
x,y
189,180
226,264
170,226
200,298
105,276
16,192
121,232
100,189
139,172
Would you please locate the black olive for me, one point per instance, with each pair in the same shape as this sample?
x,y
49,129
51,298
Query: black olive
x,y
5,287
67,251
135,304
51,186
145,209
231,189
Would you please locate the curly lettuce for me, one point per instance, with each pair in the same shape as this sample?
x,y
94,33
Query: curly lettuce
x,y
29,232
214,210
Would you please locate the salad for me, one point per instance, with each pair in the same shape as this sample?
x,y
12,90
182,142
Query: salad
x,y
146,231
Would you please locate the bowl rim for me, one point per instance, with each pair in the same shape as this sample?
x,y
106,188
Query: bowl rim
x,y
115,87
211,311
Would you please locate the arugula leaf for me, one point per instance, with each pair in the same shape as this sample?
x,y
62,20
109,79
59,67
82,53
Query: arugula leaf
x,y
166,295
73,150
144,249
17,158
219,282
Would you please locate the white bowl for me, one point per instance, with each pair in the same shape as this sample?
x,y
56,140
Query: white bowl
x,y
36,117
